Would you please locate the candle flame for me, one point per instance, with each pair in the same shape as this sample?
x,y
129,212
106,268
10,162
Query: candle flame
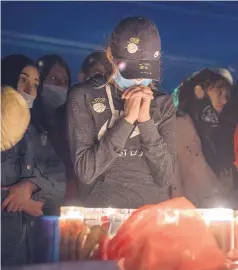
x,y
109,211
71,212
218,214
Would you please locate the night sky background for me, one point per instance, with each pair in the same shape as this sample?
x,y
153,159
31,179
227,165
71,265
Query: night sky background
x,y
194,34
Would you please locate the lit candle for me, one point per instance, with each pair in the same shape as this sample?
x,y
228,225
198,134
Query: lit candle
x,y
221,222
81,230
71,224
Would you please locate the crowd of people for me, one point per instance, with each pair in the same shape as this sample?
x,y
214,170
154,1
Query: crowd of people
x,y
115,139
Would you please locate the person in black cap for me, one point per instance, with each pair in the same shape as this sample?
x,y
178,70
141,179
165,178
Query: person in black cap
x,y
94,64
121,135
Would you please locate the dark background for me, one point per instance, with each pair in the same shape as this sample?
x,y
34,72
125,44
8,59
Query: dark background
x,y
194,34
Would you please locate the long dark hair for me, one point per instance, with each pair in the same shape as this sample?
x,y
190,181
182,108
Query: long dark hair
x,y
205,78
44,64
94,58
211,138
11,67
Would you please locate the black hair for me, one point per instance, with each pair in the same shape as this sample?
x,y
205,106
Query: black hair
x,y
94,58
205,78
40,118
46,62
11,67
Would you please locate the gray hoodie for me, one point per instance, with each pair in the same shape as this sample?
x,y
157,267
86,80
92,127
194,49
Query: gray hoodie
x,y
131,165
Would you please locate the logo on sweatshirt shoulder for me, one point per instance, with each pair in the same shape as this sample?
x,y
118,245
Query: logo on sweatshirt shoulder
x,y
99,105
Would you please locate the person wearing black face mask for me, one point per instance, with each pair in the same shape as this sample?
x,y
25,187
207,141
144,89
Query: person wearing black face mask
x,y
202,98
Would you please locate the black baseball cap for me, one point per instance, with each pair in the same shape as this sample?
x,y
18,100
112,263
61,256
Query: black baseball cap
x,y
135,45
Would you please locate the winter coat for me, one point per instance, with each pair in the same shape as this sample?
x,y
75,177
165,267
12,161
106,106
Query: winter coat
x,y
25,161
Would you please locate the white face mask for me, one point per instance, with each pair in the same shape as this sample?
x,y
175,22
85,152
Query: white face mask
x,y
29,99
53,95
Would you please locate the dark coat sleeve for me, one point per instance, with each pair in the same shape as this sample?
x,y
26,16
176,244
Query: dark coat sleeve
x,y
47,170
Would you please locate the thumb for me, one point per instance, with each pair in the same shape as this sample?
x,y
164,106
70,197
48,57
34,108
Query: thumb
x,y
39,213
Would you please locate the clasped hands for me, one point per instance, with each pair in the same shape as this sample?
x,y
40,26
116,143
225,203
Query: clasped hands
x,y
137,103
19,199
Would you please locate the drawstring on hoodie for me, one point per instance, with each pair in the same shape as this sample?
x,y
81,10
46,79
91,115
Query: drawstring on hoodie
x,y
115,113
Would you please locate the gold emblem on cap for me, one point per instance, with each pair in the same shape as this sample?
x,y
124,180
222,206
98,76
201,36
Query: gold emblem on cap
x,y
132,48
132,45
134,40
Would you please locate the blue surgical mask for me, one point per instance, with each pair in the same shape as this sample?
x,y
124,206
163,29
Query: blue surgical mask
x,y
126,83
53,95
29,99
